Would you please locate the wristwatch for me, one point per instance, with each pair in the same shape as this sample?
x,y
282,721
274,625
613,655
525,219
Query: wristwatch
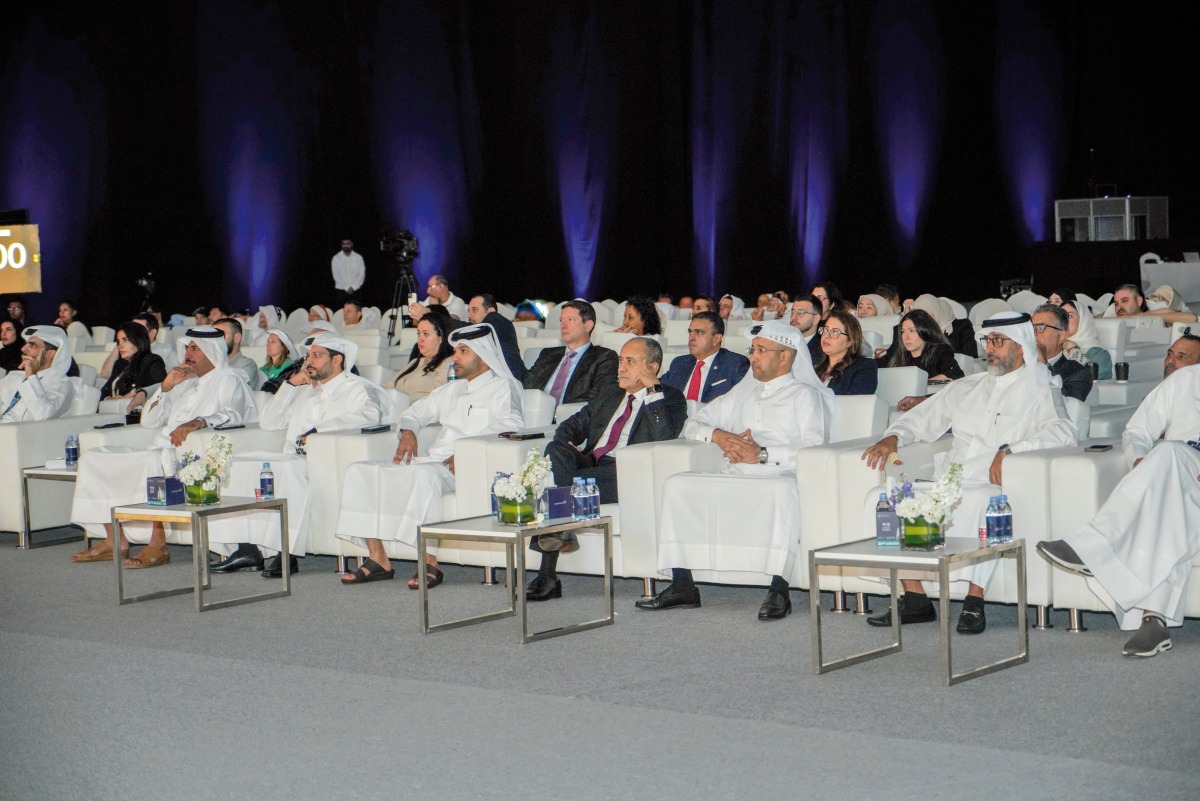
x,y
1005,449
654,389
762,455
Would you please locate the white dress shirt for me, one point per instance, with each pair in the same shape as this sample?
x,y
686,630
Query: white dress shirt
x,y
220,397
340,404
349,272
486,404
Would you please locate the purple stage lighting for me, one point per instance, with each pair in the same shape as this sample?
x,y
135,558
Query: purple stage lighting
x,y
1028,99
252,109
417,135
583,107
52,152
908,110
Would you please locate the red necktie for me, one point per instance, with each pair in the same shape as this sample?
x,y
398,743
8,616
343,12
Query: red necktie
x,y
693,391
560,380
615,436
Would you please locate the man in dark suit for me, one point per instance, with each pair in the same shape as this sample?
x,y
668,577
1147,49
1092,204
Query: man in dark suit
x,y
637,409
482,309
806,317
577,372
1050,329
707,371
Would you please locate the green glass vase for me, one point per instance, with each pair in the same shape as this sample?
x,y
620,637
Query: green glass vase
x,y
512,512
197,495
922,535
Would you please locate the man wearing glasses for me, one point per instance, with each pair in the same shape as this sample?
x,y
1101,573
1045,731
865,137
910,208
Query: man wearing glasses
x,y
1012,408
708,371
806,316
1050,327
741,524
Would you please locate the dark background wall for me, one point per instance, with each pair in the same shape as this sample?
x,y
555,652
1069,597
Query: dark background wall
x,y
547,148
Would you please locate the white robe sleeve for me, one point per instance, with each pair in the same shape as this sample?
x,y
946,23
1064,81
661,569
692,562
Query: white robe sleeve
x,y
45,402
1148,423
357,410
278,412
1052,427
926,421
231,407
157,410
424,412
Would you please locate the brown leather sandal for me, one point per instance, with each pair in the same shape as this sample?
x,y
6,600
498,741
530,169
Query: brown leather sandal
x,y
101,552
149,556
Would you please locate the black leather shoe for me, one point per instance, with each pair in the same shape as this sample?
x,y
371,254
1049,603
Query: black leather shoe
x,y
909,613
543,589
273,569
239,560
672,598
777,606
971,620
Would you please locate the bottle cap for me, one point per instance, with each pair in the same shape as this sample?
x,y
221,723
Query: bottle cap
x,y
266,464
883,496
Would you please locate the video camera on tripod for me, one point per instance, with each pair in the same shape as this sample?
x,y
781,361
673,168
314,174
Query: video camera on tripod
x,y
403,248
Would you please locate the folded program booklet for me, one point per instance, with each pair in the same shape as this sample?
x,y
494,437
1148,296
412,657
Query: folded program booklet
x,y
58,463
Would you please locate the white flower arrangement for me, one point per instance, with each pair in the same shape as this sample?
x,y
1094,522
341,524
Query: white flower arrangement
x,y
532,479
212,468
938,504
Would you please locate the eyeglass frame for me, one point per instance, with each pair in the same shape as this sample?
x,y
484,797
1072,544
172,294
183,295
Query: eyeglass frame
x,y
833,332
759,350
992,340
1041,327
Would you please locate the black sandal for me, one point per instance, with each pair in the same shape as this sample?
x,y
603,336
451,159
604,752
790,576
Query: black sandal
x,y
370,571
433,577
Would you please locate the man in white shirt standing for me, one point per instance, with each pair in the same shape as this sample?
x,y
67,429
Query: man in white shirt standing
x,y
744,522
1137,552
349,271
321,397
40,390
388,500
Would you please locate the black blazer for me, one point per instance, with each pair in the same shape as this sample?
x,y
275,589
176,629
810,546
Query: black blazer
x,y
727,369
961,337
151,371
507,334
655,422
1076,378
597,370
861,377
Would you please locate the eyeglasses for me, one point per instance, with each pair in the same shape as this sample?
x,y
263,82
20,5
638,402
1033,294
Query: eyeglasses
x,y
831,332
699,331
995,343
1041,327
802,312
756,351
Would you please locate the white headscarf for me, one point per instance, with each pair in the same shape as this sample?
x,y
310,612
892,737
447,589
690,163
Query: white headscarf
x,y
738,312
1164,297
882,307
209,340
938,309
292,351
56,337
802,370
334,341
1086,336
1018,327
481,338
312,329
273,315
665,311
322,311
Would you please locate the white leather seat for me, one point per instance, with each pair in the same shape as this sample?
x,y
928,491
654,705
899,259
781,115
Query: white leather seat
x,y
882,329
676,332
539,408
530,355
86,400
901,382
1025,301
985,309
88,374
102,336
375,373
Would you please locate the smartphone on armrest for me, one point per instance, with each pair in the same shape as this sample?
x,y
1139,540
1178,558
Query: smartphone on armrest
x,y
228,427
375,429
108,425
1097,448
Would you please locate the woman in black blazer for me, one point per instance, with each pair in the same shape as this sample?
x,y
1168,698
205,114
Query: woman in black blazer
x,y
842,365
136,367
922,344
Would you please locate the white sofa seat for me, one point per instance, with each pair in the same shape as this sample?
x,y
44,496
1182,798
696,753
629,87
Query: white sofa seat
x,y
31,444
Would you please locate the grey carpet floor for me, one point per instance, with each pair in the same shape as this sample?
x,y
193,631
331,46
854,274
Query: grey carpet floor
x,y
334,692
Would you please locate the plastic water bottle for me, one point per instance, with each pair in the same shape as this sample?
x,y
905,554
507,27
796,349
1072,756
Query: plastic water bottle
x,y
887,522
1006,526
495,503
593,496
266,483
994,523
579,501
72,449
451,375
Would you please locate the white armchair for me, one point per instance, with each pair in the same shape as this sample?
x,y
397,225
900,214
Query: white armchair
x,y
539,408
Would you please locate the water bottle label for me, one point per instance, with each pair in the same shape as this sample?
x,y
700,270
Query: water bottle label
x,y
887,528
267,485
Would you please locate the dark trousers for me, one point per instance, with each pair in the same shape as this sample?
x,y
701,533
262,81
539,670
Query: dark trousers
x,y
568,463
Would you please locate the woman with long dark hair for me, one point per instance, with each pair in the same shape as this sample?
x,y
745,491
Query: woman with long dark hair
x,y
10,346
842,365
136,367
430,368
922,344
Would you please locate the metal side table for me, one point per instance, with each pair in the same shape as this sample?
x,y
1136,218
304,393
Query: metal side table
x,y
25,537
197,517
958,552
514,539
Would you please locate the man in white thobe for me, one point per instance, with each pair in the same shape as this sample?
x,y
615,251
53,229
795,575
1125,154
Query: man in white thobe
x,y
1138,549
40,390
743,523
1014,407
321,397
202,391
349,271
386,501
